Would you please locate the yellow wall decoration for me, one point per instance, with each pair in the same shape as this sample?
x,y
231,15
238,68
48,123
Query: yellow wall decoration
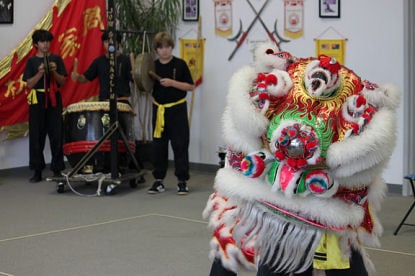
x,y
192,51
331,43
332,48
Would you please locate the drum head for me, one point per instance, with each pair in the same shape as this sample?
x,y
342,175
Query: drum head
x,y
143,64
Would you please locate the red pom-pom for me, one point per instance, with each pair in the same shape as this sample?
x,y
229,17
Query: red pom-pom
x,y
271,79
367,117
301,163
263,96
292,132
261,86
260,77
360,101
279,155
329,63
355,128
311,145
371,110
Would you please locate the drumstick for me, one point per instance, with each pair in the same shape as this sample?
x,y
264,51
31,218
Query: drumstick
x,y
133,102
75,65
154,75
74,74
46,64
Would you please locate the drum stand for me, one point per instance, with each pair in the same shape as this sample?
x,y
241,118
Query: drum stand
x,y
109,183
134,178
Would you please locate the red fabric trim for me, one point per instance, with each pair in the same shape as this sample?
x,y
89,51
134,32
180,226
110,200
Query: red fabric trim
x,y
86,146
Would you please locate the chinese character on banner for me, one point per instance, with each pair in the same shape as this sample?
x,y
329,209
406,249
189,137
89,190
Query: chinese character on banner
x,y
223,17
293,18
192,51
76,26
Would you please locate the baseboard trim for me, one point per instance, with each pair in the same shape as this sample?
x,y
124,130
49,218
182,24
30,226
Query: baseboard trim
x,y
204,167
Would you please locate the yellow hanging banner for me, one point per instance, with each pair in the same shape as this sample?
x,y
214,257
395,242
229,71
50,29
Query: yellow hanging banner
x,y
192,51
332,48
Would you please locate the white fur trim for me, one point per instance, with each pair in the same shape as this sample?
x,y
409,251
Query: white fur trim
x,y
235,138
234,185
374,144
364,177
387,95
243,114
377,192
283,85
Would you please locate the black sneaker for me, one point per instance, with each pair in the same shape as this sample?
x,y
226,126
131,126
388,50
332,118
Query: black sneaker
x,y
141,180
157,188
57,174
37,177
182,188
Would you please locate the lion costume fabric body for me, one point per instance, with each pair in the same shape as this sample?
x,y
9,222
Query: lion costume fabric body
x,y
307,141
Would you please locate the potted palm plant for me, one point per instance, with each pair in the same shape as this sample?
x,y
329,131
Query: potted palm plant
x,y
150,16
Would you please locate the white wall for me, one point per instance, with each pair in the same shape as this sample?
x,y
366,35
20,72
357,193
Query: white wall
x,y
374,50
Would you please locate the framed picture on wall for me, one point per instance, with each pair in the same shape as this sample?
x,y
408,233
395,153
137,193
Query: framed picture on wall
x,y
329,8
6,11
190,10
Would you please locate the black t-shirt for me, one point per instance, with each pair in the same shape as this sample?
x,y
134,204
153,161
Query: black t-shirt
x,y
33,64
176,69
100,68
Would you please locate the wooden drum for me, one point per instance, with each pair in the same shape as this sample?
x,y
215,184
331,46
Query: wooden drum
x,y
85,123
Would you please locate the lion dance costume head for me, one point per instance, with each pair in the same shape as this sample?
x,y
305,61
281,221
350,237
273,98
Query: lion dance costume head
x,y
307,140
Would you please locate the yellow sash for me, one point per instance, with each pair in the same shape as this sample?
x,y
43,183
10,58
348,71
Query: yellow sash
x,y
328,254
158,129
32,97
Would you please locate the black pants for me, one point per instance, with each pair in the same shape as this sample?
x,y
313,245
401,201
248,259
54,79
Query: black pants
x,y
45,121
357,268
176,130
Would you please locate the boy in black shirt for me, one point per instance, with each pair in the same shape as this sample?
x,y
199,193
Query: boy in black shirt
x,y
170,122
100,68
44,74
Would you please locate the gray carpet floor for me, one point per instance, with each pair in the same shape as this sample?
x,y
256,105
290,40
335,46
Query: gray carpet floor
x,y
45,233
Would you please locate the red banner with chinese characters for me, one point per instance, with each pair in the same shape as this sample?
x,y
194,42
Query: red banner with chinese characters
x,y
76,26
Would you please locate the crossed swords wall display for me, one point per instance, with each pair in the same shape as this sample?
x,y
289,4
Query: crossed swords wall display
x,y
274,36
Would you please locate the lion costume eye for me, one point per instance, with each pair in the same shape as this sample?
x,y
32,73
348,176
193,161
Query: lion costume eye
x,y
269,51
